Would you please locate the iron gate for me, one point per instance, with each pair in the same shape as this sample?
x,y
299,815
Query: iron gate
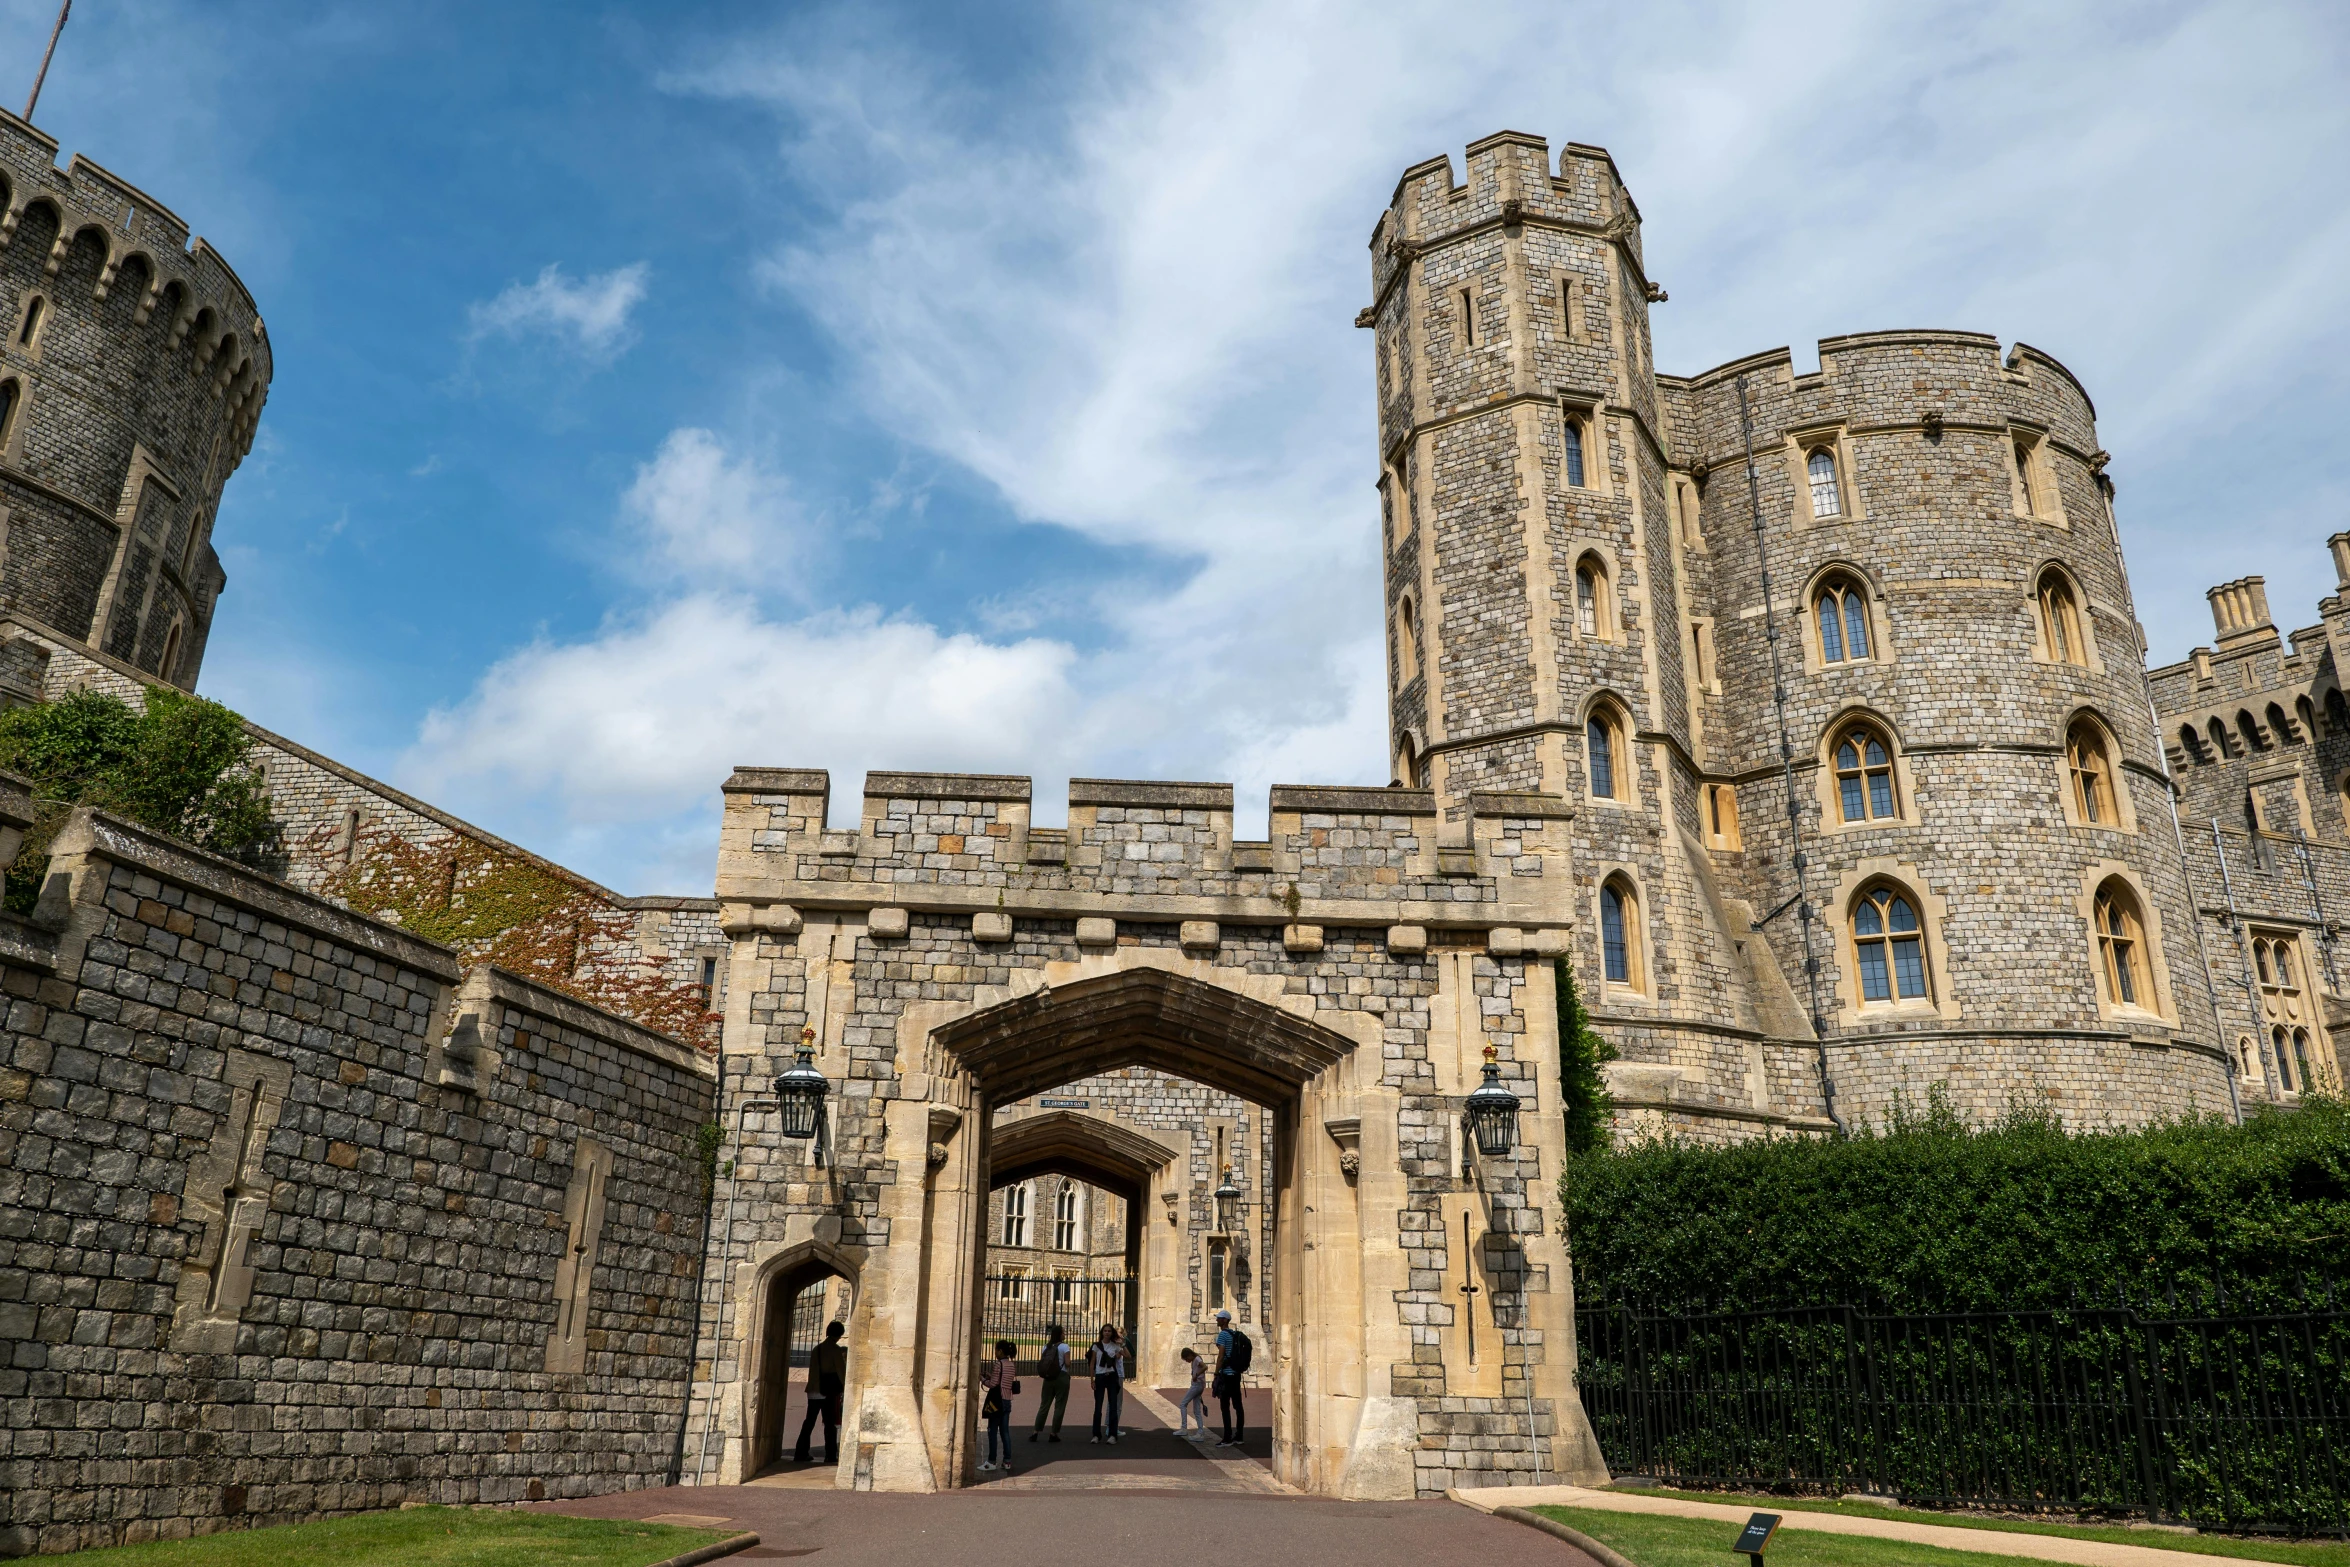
x,y
1020,1306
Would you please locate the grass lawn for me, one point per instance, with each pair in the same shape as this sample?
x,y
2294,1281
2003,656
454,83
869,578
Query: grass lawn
x,y
422,1537
1700,1542
2309,1553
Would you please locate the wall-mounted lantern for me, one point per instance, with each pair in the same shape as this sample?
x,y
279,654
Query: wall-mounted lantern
x,y
799,1098
1227,1203
1492,1113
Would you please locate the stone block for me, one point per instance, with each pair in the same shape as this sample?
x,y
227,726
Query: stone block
x,y
989,926
1097,932
1200,936
1407,940
1505,941
1301,938
888,924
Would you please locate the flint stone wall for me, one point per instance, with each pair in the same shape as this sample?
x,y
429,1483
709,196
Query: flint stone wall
x,y
405,1236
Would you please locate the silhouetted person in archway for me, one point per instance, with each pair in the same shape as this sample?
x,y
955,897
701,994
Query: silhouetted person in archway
x,y
828,1366
1233,1353
1052,1370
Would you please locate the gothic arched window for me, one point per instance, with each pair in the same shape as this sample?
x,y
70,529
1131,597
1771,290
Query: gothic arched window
x,y
1574,452
1889,946
1619,932
1843,613
1864,775
1827,495
1603,744
2121,946
2092,775
2060,620
1594,606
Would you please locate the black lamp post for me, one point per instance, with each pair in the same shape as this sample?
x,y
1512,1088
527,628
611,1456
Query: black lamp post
x,y
799,1096
1227,1203
1493,1113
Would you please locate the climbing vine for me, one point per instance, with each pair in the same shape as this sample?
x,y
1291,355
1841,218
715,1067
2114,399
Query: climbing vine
x,y
495,906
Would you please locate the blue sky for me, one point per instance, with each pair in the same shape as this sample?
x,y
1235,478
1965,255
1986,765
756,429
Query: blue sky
x,y
662,387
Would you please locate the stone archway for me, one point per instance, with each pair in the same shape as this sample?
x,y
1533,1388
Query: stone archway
x,y
1128,1163
1228,1029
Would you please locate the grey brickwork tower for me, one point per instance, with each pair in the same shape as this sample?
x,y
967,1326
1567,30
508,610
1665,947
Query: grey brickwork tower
x,y
132,374
1891,587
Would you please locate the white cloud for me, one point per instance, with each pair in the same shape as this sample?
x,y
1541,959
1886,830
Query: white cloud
x,y
717,517
647,718
590,316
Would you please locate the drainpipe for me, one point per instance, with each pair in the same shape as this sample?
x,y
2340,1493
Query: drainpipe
x,y
2244,954
1804,911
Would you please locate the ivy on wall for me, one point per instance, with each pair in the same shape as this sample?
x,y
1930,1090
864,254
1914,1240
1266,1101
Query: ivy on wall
x,y
494,906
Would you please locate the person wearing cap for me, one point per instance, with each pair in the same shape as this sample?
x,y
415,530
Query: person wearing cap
x,y
1228,1400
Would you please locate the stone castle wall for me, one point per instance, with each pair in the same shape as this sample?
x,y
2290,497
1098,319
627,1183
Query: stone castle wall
x,y
133,367
380,1309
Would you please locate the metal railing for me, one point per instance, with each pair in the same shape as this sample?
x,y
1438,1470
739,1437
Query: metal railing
x,y
2238,1421
1020,1306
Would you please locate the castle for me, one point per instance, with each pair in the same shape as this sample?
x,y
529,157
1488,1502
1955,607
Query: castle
x,y
1802,717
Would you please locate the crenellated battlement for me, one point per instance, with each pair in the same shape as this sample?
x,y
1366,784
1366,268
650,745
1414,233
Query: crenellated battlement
x,y
142,249
1141,849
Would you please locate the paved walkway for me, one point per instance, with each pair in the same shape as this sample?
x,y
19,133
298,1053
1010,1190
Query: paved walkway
x,y
1087,1528
1148,1455
1988,1542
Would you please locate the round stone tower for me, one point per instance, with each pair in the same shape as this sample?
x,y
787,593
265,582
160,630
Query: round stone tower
x,y
1837,672
132,373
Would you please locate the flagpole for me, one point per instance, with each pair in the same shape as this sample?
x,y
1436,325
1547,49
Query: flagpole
x,y
45,59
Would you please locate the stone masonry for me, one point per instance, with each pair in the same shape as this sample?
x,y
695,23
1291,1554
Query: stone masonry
x,y
298,1218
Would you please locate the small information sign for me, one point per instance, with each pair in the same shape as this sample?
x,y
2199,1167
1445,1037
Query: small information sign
x,y
1756,1537
1066,1104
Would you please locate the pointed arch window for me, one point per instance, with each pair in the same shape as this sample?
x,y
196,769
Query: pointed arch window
x,y
1594,606
2279,726
1890,947
1602,742
1407,639
1016,1215
171,653
1843,613
1865,788
1065,1218
2121,946
2060,620
2279,1051
1574,452
1827,495
30,329
2092,775
11,393
2026,497
1619,932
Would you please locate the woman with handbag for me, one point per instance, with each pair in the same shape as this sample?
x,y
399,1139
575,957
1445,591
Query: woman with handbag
x,y
1107,1360
995,1406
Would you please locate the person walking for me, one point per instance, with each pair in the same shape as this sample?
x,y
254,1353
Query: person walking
x,y
1195,1399
828,1366
1107,1361
1233,1354
1052,1380
998,1380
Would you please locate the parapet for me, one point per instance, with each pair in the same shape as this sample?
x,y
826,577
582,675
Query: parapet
x,y
1155,849
142,245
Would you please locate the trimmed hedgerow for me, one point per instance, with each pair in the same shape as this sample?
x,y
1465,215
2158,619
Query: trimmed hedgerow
x,y
1931,1214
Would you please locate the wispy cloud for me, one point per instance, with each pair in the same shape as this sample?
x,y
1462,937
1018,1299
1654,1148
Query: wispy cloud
x,y
717,517
590,317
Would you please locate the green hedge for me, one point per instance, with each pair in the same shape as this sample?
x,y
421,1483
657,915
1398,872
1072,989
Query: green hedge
x,y
1931,1214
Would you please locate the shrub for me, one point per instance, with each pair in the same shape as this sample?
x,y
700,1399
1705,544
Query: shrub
x,y
181,765
1929,1213
1583,1091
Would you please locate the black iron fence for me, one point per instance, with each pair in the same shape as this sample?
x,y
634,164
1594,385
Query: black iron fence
x,y
1020,1306
2227,1421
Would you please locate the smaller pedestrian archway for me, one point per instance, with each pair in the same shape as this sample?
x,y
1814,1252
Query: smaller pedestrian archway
x,y
799,1294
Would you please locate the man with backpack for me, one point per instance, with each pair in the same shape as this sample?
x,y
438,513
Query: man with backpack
x,y
1052,1369
1233,1354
